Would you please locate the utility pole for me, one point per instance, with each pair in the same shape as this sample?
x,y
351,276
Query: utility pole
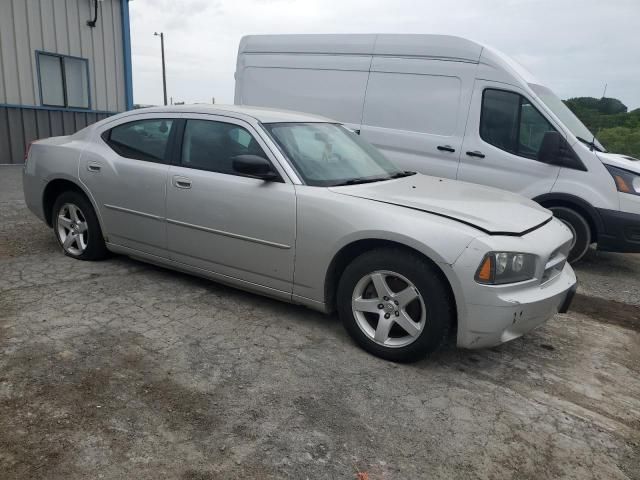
x,y
164,72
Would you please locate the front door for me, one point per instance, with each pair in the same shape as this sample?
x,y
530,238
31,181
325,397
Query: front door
x,y
126,174
217,220
503,135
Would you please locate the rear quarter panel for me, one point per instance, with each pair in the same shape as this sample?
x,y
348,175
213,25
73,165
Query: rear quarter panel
x,y
51,159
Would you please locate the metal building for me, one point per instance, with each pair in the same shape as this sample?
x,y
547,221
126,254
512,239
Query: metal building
x,y
64,64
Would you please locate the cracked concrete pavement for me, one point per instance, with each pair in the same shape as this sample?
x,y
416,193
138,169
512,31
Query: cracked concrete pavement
x,y
119,369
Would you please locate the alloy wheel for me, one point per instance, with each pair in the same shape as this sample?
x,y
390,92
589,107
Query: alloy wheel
x,y
388,309
72,229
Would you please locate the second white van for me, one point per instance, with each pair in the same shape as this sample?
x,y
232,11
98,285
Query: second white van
x,y
449,107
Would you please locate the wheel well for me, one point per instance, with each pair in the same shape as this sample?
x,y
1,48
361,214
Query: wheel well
x,y
52,191
349,252
584,212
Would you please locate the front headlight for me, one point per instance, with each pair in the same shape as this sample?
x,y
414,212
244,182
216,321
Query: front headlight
x,y
498,268
626,181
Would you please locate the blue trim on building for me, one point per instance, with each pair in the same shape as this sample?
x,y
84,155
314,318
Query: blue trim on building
x,y
126,43
55,109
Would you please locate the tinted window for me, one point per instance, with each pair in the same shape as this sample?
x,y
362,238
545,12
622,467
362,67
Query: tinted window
x,y
209,145
510,122
142,140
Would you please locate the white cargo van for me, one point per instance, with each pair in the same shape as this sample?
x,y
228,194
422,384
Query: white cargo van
x,y
450,107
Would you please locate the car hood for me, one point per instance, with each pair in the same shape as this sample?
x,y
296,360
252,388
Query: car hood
x,y
493,211
621,161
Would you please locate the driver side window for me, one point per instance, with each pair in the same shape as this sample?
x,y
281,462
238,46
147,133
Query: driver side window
x,y
510,122
210,145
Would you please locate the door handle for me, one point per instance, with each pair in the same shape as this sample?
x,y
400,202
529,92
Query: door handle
x,y
476,153
182,182
93,167
446,148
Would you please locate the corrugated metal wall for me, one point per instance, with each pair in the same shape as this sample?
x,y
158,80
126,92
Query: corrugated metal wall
x,y
57,26
60,26
19,126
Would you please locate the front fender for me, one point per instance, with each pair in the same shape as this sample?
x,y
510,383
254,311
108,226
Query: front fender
x,y
328,222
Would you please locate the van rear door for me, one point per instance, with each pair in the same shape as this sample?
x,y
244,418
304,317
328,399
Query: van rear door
x,y
415,111
503,135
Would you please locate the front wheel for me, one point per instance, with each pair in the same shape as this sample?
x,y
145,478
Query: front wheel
x,y
579,229
77,228
395,305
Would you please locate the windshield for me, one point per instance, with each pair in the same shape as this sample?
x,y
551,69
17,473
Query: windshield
x,y
565,115
325,154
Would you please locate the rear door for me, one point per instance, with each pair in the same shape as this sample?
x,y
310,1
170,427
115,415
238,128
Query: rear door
x,y
502,139
126,173
415,110
239,227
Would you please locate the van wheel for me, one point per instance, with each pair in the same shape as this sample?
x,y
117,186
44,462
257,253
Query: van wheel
x,y
579,228
77,228
394,304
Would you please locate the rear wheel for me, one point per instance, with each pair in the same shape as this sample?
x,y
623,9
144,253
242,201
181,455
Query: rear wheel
x,y
579,228
394,304
77,228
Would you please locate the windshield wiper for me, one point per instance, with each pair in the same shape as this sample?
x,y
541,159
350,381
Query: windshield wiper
x,y
402,174
592,145
358,181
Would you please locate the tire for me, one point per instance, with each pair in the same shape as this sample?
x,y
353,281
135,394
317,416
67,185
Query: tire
x,y
580,229
75,222
431,312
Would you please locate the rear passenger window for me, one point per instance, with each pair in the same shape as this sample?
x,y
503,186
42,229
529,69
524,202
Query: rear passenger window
x,y
142,140
510,122
209,145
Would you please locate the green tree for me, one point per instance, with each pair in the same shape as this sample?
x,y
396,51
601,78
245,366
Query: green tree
x,y
608,118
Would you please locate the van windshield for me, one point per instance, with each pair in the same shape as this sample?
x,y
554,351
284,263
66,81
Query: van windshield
x,y
566,116
326,154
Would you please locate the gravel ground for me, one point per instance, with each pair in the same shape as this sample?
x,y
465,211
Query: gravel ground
x,y
118,369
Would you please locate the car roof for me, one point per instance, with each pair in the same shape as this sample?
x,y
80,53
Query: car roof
x,y
261,114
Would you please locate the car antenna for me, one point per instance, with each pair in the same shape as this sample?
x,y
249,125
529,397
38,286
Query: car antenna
x,y
593,140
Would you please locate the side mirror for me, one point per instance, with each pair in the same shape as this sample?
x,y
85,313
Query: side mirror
x,y
254,166
554,150
549,151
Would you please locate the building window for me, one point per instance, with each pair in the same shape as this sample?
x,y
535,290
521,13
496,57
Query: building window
x,y
64,80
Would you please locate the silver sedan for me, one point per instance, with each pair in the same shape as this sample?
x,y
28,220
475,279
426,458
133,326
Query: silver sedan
x,y
300,208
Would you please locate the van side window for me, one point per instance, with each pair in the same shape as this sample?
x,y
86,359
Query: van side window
x,y
141,140
510,122
210,145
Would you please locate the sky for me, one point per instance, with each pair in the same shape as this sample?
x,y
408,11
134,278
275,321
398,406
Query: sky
x,y
574,47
